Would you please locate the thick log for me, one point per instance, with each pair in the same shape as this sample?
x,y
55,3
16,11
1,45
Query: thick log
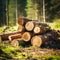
x,y
26,36
21,28
38,40
29,26
6,35
15,36
20,21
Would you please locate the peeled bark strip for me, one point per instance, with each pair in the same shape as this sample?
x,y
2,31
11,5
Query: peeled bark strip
x,y
15,36
36,41
29,26
6,35
26,36
20,28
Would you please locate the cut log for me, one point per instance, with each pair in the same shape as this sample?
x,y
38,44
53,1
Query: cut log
x,y
15,36
41,29
26,36
38,40
20,28
6,35
38,30
29,26
15,43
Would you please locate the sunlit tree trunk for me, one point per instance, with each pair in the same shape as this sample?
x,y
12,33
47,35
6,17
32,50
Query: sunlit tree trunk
x,y
16,12
44,11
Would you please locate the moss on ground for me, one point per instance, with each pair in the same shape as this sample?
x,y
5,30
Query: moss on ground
x,y
19,53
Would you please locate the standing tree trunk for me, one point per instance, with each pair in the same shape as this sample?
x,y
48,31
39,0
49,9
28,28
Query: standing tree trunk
x,y
44,11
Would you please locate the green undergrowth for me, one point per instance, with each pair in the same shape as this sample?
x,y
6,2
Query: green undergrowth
x,y
7,29
55,24
9,52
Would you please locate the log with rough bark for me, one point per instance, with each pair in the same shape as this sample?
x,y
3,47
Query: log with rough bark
x,y
23,21
15,36
41,29
26,36
38,40
6,35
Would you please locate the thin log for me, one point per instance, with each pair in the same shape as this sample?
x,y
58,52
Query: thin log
x,y
15,36
6,35
22,21
26,36
38,29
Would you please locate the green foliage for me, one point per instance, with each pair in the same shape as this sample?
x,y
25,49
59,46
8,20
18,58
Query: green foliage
x,y
55,24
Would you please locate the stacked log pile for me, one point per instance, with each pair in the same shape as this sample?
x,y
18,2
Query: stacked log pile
x,y
32,31
35,32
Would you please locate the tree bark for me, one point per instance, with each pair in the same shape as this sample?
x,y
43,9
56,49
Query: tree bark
x,y
38,40
15,36
38,29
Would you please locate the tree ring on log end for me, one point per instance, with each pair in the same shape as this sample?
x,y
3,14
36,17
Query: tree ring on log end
x,y
36,41
29,26
26,36
36,30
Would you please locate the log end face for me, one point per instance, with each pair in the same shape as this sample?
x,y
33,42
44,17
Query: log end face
x,y
26,36
36,41
20,21
36,30
29,26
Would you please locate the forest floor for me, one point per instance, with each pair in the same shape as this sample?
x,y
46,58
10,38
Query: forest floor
x,y
8,52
